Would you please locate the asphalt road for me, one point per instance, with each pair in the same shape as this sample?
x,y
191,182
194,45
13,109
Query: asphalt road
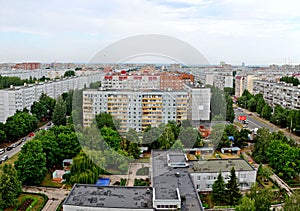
x,y
17,149
253,123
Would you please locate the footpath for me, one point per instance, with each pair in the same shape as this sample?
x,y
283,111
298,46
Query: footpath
x,y
55,195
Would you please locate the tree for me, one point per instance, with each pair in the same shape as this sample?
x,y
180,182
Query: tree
x,y
252,104
177,145
167,139
2,136
247,204
10,187
50,148
111,137
19,125
68,98
31,163
219,191
84,170
262,197
241,138
229,109
59,113
266,112
39,110
48,102
105,120
233,191
261,144
188,136
292,203
69,73
68,145
284,158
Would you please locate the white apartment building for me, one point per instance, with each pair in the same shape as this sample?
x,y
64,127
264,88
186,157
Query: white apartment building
x,y
132,81
18,98
220,79
286,95
136,109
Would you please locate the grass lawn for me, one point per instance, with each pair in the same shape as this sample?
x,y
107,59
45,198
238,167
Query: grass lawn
x,y
142,160
143,171
11,160
47,182
38,206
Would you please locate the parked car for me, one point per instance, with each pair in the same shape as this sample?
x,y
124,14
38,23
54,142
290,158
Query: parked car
x,y
14,145
31,135
2,151
9,148
4,158
23,139
245,126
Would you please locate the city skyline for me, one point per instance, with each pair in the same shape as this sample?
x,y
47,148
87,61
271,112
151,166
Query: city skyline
x,y
257,33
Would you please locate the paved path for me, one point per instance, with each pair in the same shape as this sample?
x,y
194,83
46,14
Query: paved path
x,y
132,172
55,195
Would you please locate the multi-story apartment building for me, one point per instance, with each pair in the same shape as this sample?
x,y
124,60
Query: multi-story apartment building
x,y
136,109
220,78
280,93
132,81
18,98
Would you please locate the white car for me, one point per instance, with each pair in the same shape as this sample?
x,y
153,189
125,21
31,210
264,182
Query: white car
x,y
4,158
2,151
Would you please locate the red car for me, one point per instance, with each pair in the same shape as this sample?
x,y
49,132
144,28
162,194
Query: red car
x,y
31,135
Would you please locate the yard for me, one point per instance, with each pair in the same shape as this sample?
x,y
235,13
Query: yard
x,y
37,201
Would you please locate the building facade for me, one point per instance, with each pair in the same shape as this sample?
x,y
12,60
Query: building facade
x,y
280,93
18,98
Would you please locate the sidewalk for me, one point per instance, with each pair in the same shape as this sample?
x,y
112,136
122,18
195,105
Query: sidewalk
x,y
55,195
132,172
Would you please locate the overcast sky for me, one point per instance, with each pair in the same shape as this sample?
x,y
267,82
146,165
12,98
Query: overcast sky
x,y
234,31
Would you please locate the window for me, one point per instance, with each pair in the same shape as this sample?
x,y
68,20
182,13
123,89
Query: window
x,y
198,177
242,175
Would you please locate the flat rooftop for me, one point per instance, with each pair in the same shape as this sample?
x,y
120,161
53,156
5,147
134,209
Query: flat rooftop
x,y
110,197
217,165
177,157
166,180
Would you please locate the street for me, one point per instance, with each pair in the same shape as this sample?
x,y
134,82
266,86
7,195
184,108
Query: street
x,y
17,149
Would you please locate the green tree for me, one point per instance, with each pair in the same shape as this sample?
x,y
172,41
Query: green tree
x,y
247,204
241,138
111,137
106,120
68,98
48,102
19,125
167,139
252,104
262,197
188,136
233,191
266,112
84,170
31,163
2,136
10,186
219,191
39,110
50,148
284,158
229,109
69,73
261,144
292,203
59,114
177,145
